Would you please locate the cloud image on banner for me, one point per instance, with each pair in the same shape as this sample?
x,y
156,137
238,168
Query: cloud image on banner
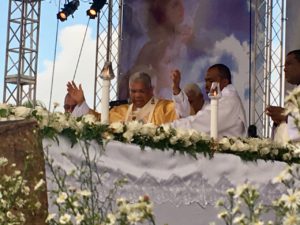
x,y
190,35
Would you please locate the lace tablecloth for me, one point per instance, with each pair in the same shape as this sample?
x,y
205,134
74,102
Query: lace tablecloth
x,y
183,189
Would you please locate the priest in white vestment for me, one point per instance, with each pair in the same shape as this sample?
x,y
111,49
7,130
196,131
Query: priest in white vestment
x,y
231,113
285,128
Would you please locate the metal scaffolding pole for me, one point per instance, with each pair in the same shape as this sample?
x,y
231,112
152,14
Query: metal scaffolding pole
x,y
267,75
107,45
22,44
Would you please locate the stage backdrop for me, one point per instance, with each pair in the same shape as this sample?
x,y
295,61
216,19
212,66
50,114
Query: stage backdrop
x,y
292,25
190,35
292,37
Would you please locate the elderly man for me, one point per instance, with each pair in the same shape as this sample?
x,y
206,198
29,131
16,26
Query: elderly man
x,y
190,100
69,104
231,116
144,107
292,76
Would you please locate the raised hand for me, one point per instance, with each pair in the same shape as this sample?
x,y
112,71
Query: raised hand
x,y
75,92
176,78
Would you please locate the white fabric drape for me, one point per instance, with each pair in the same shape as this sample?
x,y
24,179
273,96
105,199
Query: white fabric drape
x,y
172,181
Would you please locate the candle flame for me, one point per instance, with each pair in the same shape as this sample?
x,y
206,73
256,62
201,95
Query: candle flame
x,y
215,93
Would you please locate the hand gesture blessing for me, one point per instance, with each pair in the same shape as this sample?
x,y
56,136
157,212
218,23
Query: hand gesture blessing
x,y
75,92
176,78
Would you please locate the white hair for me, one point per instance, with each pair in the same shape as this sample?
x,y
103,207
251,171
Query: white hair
x,y
192,87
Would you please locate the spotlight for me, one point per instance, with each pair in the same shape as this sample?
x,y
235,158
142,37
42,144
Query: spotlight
x,y
95,8
69,9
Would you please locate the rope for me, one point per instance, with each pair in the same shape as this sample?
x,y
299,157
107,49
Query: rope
x,y
54,60
81,49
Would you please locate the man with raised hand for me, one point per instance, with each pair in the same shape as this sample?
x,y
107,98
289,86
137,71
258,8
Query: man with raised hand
x,y
144,105
231,114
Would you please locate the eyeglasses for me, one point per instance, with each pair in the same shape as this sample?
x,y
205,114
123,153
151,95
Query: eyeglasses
x,y
69,107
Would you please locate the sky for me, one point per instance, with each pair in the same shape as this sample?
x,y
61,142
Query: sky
x,y
70,38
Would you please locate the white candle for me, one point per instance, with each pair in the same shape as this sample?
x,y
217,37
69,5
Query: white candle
x,y
214,95
105,101
214,118
107,74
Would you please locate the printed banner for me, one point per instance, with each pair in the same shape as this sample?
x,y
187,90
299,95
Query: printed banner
x,y
190,35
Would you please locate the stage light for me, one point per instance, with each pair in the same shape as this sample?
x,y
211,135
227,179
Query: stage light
x,y
95,8
69,9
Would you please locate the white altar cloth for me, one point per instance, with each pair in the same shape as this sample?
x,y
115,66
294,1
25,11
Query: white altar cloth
x,y
182,188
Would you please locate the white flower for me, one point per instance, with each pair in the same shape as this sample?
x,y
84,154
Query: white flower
x,y
223,215
10,215
124,208
239,146
121,201
134,126
291,219
128,135
240,189
17,172
220,203
283,176
230,191
62,197
225,144
79,218
148,129
75,204
112,218
195,136
50,217
39,184
173,140
239,219
292,199
26,190
37,205
85,193
64,219
3,161
21,111
134,217
264,150
286,157
89,119
117,127
167,128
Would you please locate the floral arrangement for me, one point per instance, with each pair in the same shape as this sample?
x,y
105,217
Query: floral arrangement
x,y
79,200
243,205
292,102
81,204
163,137
16,195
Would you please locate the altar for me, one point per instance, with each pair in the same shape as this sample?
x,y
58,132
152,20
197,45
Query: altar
x,y
184,189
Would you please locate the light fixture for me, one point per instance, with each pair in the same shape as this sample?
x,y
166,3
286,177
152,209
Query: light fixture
x,y
68,9
95,8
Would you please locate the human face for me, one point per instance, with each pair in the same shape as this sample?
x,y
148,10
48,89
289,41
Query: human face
x,y
139,94
213,75
192,97
292,69
174,12
69,104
